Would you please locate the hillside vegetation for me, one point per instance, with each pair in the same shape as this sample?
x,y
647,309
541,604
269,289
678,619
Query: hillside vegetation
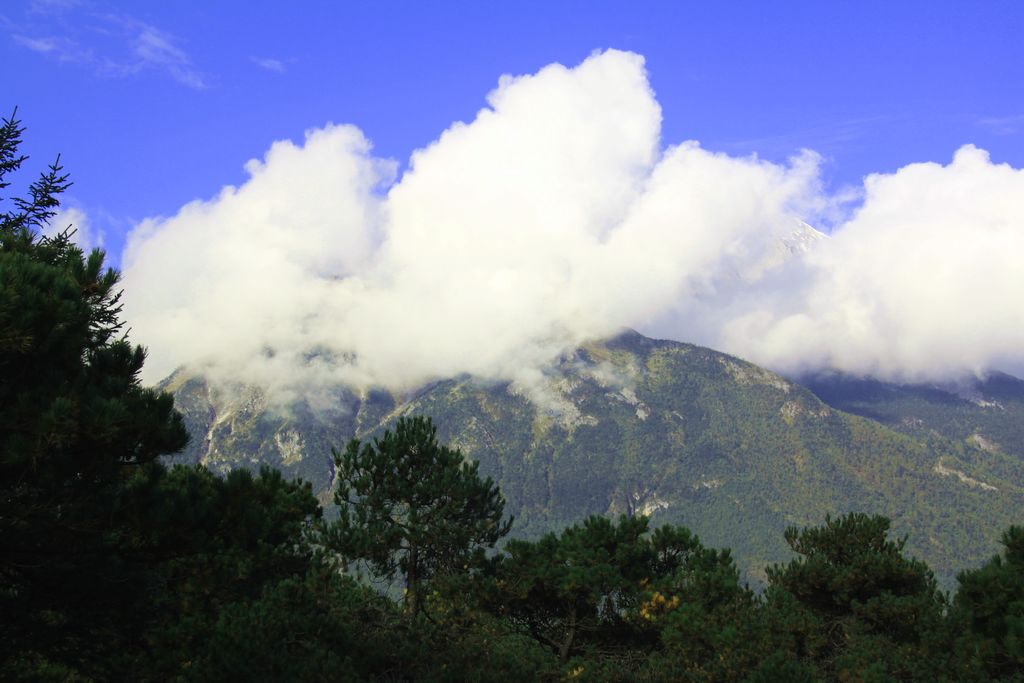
x,y
985,413
640,426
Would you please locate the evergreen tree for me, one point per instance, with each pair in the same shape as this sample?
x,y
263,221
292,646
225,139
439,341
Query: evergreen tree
x,y
320,627
987,616
607,585
856,605
74,423
412,507
568,590
204,543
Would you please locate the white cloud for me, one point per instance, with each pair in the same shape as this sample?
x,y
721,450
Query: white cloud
x,y
270,64
61,48
37,44
52,6
156,49
924,282
553,217
1003,125
109,44
246,282
82,231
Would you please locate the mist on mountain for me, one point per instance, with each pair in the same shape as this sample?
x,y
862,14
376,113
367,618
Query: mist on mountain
x,y
559,215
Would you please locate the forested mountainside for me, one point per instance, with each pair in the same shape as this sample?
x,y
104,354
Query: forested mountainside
x,y
635,425
987,413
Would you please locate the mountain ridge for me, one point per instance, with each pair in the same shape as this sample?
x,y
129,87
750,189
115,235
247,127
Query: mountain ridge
x,y
638,425
988,412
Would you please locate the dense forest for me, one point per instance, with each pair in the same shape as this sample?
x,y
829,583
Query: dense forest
x,y
114,566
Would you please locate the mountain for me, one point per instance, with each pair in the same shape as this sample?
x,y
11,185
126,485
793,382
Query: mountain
x,y
637,425
800,240
783,243
986,413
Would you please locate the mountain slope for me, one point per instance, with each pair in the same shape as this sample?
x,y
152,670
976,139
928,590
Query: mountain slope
x,y
680,432
986,413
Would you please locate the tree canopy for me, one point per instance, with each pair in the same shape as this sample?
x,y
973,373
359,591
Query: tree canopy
x,y
411,506
74,422
602,584
109,562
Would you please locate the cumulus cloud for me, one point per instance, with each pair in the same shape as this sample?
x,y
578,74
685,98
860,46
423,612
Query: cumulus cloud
x,y
555,216
923,283
247,284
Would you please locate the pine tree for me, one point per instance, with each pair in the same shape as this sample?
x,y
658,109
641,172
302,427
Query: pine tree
x,y
74,423
607,585
987,615
411,507
203,543
857,605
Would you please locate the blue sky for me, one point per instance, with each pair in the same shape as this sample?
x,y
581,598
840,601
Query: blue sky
x,y
153,104
568,206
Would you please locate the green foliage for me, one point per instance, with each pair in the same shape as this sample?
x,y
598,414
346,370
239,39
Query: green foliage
x,y
315,628
679,432
410,506
204,542
859,605
601,585
564,590
990,408
987,617
325,626
74,423
112,566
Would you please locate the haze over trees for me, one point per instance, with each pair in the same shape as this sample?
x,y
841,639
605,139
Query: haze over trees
x,y
114,566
